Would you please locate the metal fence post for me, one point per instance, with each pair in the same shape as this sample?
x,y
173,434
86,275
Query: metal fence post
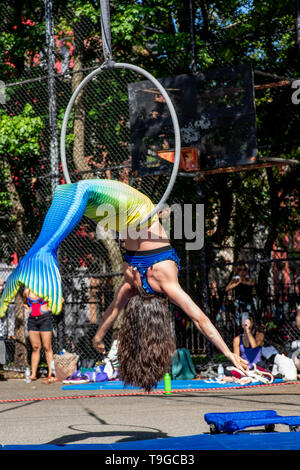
x,y
54,156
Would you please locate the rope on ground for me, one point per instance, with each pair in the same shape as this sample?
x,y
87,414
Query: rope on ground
x,y
156,392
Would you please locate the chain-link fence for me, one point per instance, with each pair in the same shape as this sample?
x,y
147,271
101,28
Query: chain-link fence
x,y
250,215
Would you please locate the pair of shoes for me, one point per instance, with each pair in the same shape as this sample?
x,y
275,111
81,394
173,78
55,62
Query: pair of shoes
x,y
50,380
76,378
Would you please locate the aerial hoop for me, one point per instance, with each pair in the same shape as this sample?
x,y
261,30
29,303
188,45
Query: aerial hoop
x,y
113,65
109,63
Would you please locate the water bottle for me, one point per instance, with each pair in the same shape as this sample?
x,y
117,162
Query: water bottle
x,y
27,375
167,382
220,371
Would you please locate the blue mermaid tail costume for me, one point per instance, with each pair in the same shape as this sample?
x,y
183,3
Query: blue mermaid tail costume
x,y
38,269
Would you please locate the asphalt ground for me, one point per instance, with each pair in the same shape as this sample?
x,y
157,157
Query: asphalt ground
x,y
38,414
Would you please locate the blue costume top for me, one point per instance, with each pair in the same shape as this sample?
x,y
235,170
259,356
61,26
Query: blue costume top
x,y
142,260
252,355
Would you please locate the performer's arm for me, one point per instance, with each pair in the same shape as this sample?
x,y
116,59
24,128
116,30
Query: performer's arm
x,y
123,294
180,298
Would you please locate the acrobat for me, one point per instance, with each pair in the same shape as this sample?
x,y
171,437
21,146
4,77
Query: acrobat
x,y
150,276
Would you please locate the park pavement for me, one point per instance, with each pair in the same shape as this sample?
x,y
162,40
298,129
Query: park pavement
x,y
39,414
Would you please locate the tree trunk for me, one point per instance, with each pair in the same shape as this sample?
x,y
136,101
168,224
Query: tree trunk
x,y
20,358
93,290
79,109
297,4
263,277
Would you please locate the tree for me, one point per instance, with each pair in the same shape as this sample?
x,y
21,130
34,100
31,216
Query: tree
x,y
19,144
157,36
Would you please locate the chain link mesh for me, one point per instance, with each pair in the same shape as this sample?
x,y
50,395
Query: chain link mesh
x,y
239,206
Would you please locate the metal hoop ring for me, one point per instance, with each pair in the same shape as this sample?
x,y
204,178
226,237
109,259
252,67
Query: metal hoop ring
x,y
173,114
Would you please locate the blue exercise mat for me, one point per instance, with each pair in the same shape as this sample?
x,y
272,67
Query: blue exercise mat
x,y
266,441
233,422
175,384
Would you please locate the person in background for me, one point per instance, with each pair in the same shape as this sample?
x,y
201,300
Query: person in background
x,y
240,290
248,344
40,329
1,321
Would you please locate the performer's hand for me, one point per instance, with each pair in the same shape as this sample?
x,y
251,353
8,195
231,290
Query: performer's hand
x,y
239,363
99,345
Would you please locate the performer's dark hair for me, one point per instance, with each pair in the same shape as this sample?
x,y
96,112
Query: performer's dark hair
x,y
146,342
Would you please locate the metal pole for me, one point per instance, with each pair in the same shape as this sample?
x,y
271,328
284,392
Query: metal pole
x,y
297,4
54,154
192,37
105,29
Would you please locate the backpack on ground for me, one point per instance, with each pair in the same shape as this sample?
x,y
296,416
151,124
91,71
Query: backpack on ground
x,y
182,365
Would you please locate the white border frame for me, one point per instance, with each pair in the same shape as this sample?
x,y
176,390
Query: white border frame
x,y
155,82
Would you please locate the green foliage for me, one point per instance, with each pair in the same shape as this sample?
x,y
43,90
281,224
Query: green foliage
x,y
19,135
19,144
156,36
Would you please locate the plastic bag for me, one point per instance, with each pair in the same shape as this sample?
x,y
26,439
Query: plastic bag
x,y
285,366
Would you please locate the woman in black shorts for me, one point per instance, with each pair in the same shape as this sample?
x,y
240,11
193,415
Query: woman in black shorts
x,y
40,327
